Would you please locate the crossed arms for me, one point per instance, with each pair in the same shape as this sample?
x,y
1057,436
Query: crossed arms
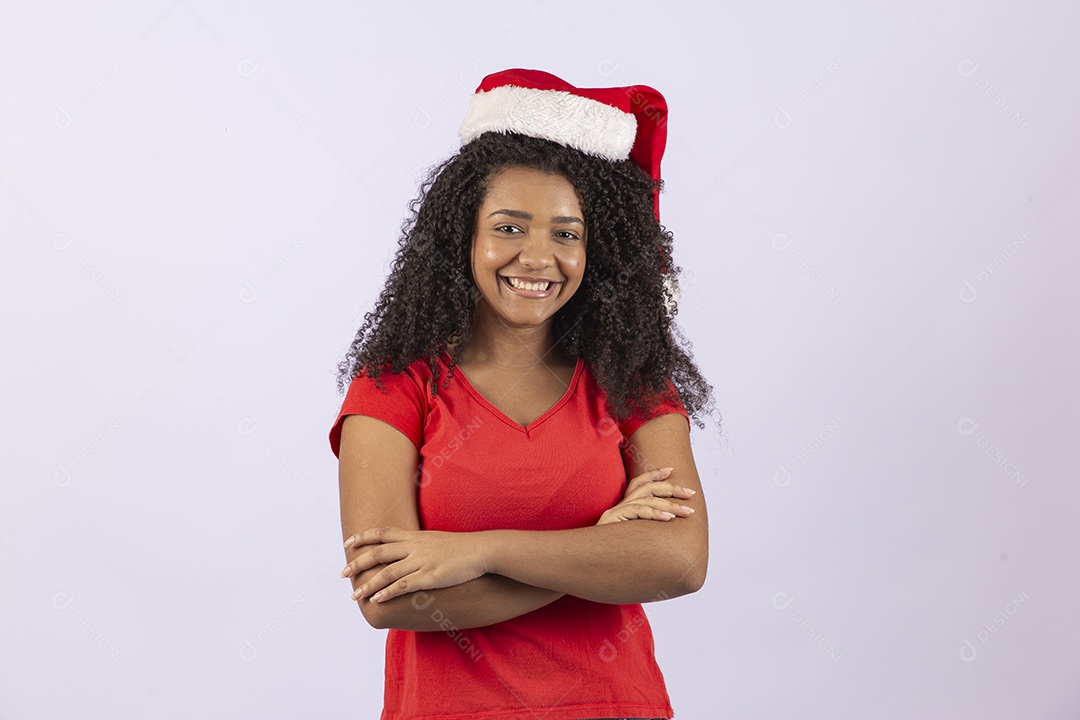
x,y
481,578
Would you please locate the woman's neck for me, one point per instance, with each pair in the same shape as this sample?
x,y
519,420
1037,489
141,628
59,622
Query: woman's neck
x,y
493,343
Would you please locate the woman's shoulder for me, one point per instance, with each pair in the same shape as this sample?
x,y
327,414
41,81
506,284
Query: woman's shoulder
x,y
415,373
399,398
640,407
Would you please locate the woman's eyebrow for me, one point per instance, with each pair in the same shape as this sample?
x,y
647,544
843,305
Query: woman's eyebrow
x,y
560,219
514,214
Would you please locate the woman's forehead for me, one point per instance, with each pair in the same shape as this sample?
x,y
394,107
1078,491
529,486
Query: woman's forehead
x,y
524,185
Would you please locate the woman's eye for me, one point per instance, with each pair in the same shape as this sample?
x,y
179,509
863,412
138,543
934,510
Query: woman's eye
x,y
507,229
567,235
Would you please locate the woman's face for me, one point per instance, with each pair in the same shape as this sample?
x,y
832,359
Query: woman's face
x,y
528,246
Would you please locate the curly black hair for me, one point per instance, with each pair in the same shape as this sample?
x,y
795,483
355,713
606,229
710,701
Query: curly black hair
x,y
617,321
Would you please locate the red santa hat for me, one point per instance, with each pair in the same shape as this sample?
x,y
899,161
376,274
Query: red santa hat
x,y
612,123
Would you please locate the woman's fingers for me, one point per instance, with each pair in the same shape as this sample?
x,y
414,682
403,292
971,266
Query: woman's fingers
x,y
668,506
420,560
403,577
391,576
646,498
378,555
650,508
645,511
634,512
647,477
375,535
661,489
407,584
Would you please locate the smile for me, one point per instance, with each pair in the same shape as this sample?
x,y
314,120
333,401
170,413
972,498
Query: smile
x,y
530,289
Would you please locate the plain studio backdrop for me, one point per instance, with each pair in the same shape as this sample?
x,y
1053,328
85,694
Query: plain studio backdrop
x,y
875,205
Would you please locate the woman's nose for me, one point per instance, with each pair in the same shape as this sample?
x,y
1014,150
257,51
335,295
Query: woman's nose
x,y
537,252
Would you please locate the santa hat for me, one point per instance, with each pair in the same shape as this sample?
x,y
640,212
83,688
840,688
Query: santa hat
x,y
612,123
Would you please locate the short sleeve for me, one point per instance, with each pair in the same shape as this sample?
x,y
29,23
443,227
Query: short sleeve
x,y
656,408
401,403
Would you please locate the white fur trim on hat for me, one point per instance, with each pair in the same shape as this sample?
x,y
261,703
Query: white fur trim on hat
x,y
590,126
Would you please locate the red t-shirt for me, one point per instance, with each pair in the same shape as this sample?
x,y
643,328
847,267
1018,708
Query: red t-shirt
x,y
480,470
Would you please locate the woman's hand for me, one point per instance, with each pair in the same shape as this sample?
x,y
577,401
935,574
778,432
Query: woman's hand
x,y
415,560
646,498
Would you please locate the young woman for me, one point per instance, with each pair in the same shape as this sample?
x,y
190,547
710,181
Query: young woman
x,y
515,465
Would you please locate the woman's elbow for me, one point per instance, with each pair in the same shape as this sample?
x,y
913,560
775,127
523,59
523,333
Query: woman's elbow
x,y
689,582
394,614
696,568
373,614
695,580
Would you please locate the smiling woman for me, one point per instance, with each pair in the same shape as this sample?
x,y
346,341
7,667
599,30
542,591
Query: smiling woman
x,y
515,466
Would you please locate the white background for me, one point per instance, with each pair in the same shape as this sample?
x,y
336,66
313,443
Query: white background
x,y
875,204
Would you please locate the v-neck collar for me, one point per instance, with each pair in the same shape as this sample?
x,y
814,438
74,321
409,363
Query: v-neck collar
x,y
578,368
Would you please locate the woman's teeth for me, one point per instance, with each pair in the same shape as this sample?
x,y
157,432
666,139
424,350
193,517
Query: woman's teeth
x,y
522,285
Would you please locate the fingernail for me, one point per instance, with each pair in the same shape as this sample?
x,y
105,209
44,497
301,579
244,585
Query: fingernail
x,y
687,509
666,470
345,572
376,596
690,490
666,514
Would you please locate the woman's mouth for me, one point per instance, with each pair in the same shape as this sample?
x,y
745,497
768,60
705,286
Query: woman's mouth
x,y
530,289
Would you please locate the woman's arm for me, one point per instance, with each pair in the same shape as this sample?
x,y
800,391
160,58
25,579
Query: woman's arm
x,y
618,563
377,473
484,601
